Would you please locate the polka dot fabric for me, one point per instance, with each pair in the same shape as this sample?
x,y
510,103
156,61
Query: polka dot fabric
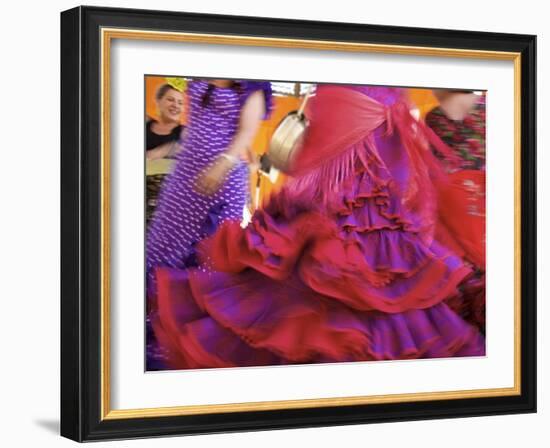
x,y
183,217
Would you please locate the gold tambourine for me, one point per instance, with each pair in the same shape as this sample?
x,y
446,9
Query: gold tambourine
x,y
288,137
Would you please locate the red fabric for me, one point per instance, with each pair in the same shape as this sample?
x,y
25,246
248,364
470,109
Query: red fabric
x,y
462,212
339,118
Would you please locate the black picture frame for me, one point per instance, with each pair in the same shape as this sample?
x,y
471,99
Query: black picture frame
x,y
81,224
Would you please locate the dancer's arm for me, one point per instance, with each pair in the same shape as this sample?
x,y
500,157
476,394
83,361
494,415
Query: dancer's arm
x,y
251,116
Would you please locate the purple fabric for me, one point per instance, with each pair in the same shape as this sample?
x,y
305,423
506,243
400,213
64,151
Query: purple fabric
x,y
384,95
183,217
249,87
232,325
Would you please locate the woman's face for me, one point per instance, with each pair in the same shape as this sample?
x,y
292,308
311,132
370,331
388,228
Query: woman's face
x,y
171,105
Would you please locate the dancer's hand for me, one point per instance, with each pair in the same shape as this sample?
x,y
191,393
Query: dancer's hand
x,y
250,157
212,179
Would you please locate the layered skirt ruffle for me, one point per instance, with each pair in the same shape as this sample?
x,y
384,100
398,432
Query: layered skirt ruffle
x,y
354,278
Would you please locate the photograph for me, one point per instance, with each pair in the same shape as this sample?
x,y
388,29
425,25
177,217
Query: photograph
x,y
298,223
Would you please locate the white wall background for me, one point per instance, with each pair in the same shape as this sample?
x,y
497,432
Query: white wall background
x,y
29,233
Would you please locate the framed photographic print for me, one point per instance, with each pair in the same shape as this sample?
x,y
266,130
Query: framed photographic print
x,y
275,223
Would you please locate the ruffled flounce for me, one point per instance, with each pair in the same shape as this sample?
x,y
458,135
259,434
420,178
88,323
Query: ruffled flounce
x,y
358,283
221,320
367,255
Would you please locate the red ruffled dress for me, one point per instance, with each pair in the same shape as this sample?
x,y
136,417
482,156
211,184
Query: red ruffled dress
x,y
340,265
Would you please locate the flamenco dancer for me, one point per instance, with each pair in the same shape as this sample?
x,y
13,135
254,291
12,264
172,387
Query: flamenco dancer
x,y
459,121
209,183
341,265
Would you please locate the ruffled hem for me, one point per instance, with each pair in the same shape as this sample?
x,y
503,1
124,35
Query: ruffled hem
x,y
216,320
365,254
370,203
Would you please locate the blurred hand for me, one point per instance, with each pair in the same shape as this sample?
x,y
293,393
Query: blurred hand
x,y
210,181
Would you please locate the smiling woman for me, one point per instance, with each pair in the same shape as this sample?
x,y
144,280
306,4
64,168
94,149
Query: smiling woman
x,y
163,134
